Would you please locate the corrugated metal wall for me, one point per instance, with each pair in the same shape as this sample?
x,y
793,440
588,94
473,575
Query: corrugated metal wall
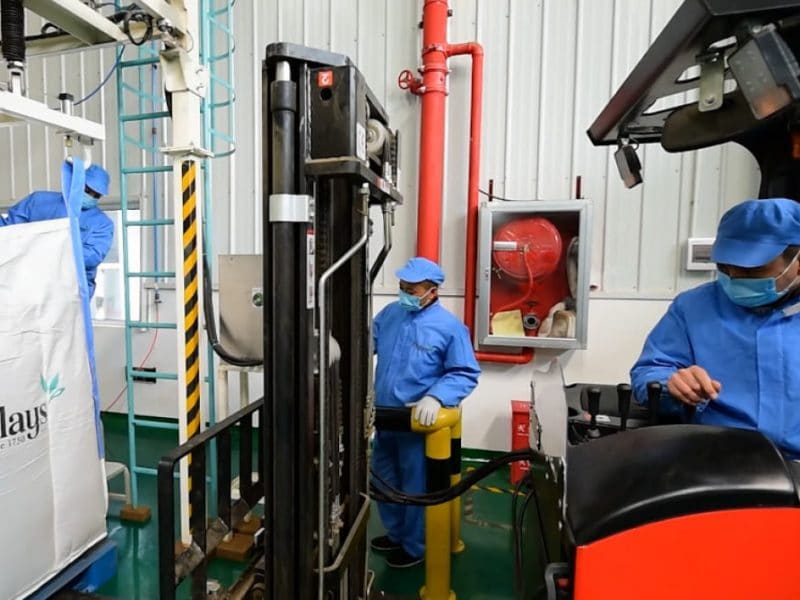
x,y
550,67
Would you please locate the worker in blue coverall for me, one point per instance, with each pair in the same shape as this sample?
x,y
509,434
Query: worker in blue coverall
x,y
729,348
97,230
425,360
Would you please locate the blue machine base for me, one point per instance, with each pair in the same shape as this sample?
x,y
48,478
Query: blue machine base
x,y
86,574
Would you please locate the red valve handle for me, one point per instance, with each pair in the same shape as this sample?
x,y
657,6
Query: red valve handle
x,y
406,79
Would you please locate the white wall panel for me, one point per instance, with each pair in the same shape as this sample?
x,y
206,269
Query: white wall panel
x,y
525,86
550,67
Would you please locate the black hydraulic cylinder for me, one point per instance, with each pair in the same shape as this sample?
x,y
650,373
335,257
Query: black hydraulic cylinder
x,y
623,404
654,400
282,349
593,395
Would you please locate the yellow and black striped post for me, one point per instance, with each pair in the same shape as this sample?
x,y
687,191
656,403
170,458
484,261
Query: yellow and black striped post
x,y
190,319
456,543
438,518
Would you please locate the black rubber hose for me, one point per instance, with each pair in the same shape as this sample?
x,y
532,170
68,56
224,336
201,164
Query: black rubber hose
x,y
211,325
384,492
12,26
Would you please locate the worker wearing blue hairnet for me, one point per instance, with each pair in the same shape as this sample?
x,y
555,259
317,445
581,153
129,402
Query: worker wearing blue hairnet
x,y
729,348
97,230
425,360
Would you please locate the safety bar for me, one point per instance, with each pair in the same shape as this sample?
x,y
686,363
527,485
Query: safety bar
x,y
207,533
443,469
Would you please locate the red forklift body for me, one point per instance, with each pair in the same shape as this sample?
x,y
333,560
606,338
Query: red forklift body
x,y
682,511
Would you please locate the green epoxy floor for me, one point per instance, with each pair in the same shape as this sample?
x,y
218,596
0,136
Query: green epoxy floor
x,y
484,570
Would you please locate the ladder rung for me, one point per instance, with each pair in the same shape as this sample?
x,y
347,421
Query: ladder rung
x,y
151,169
219,154
154,472
149,222
214,58
140,144
222,104
146,325
223,136
220,81
151,375
153,274
221,27
144,116
135,90
144,471
153,424
139,62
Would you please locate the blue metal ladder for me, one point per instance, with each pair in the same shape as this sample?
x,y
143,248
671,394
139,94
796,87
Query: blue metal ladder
x,y
142,120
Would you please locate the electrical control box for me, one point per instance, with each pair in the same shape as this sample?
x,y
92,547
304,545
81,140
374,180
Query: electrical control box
x,y
241,300
698,254
533,274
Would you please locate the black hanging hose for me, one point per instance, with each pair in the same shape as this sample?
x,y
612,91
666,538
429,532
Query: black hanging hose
x,y
211,325
12,27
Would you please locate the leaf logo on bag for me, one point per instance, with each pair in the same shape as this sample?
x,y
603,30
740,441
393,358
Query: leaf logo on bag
x,y
51,389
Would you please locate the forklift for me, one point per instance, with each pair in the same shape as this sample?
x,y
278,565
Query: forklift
x,y
663,511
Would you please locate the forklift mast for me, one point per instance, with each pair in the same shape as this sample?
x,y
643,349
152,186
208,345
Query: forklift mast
x,y
328,155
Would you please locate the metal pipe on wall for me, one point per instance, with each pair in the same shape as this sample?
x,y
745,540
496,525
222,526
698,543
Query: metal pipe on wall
x,y
433,89
431,153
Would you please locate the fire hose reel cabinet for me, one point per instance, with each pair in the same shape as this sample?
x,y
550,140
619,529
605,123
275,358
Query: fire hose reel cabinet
x,y
533,274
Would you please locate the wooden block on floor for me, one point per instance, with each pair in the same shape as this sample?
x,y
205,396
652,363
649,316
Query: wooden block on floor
x,y
249,528
135,514
238,549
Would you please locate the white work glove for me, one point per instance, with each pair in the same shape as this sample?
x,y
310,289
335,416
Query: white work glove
x,y
426,411
334,351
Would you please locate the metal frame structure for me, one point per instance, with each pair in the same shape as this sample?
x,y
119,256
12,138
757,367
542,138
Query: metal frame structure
x,y
692,54
182,27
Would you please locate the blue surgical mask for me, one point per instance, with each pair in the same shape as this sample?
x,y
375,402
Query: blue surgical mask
x,y
410,302
751,293
88,201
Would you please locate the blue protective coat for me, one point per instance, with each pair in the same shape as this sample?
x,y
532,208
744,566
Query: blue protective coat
x,y
424,353
97,230
752,353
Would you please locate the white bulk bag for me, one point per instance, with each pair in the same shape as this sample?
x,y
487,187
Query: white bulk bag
x,y
52,482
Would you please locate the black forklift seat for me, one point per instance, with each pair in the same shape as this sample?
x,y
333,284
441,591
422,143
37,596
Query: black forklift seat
x,y
623,481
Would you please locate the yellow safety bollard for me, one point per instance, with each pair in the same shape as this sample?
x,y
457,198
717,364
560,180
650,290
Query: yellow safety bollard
x,y
456,543
438,518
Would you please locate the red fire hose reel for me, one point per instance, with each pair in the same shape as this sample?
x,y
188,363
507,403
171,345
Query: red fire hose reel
x,y
527,249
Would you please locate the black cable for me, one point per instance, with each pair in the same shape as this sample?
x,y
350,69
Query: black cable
x,y
518,584
518,526
495,197
395,496
137,16
12,27
211,325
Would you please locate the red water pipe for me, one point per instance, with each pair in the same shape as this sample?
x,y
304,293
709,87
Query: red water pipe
x,y
433,89
431,153
475,50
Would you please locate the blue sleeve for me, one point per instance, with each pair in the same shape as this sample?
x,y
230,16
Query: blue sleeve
x,y
376,327
97,240
19,213
666,350
461,371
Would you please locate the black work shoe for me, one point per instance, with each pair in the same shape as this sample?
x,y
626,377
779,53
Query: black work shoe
x,y
383,544
400,559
